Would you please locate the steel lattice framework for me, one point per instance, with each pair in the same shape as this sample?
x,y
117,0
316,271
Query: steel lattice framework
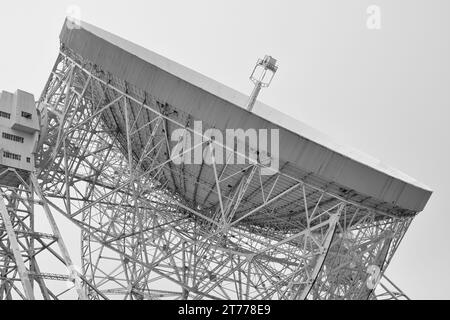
x,y
21,246
106,165
325,225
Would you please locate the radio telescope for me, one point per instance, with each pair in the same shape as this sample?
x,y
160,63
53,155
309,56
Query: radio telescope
x,y
97,149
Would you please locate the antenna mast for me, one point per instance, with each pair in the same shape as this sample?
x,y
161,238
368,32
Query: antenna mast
x,y
262,77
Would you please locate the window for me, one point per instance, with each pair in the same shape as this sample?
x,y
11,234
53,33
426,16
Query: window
x,y
12,137
26,115
13,156
28,160
5,115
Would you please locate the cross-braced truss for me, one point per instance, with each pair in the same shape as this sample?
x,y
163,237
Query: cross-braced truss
x,y
152,229
22,247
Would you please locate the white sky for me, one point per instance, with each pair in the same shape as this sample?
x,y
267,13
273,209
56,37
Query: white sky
x,y
385,92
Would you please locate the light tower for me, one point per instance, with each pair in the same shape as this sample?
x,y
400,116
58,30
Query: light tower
x,y
262,77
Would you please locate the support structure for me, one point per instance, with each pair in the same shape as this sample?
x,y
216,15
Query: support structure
x,y
24,250
155,230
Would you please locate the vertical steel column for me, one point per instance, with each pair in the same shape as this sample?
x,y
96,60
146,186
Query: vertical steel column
x,y
61,244
334,219
23,272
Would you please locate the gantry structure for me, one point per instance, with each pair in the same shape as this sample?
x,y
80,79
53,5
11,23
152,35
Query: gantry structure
x,y
324,224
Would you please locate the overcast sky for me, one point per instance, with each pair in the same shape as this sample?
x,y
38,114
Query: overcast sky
x,y
385,92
